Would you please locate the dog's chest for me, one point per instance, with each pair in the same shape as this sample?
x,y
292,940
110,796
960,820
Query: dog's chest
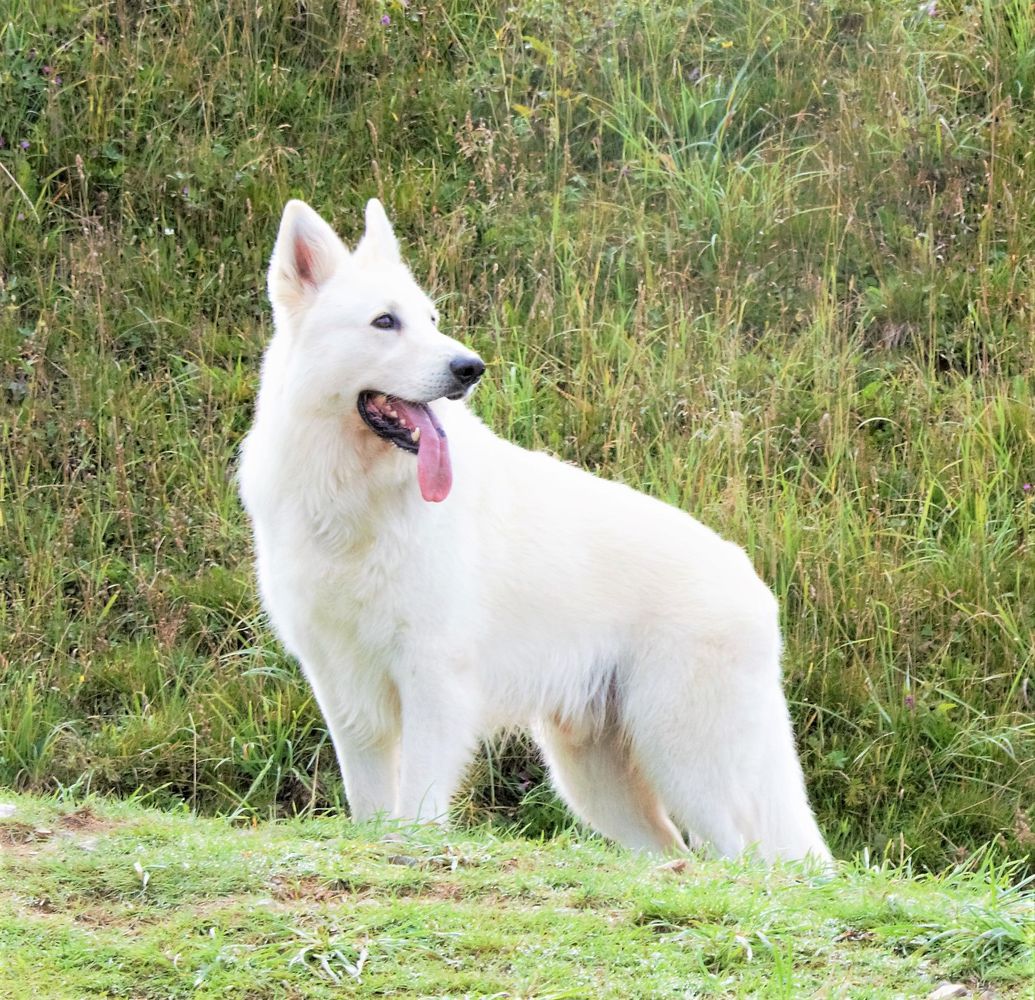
x,y
359,593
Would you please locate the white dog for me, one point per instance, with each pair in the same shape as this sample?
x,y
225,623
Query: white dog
x,y
438,583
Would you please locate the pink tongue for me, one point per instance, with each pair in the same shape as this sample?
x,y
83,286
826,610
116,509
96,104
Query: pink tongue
x,y
434,473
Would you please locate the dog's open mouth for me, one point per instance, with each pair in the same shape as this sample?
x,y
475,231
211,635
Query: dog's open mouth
x,y
412,427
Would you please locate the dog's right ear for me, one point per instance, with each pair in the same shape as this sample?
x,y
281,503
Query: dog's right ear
x,y
306,254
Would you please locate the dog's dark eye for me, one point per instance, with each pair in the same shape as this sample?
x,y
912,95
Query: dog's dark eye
x,y
386,321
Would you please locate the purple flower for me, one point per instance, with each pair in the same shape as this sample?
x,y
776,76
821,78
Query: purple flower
x,y
47,70
386,20
910,702
24,143
57,80
1026,487
20,216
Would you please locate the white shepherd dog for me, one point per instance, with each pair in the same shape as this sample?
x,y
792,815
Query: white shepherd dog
x,y
438,583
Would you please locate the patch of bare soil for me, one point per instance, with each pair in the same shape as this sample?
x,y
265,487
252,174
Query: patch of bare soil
x,y
14,834
17,837
80,827
84,820
317,890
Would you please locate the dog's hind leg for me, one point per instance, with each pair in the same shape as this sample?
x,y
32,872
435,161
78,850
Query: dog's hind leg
x,y
595,774
715,740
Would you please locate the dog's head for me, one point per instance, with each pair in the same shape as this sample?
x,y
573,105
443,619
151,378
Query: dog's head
x,y
362,336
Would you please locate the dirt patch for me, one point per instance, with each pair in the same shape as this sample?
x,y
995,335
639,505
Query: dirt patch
x,y
317,890
446,891
16,834
83,820
41,909
80,827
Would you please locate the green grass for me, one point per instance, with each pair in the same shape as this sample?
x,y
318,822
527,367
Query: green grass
x,y
771,262
106,899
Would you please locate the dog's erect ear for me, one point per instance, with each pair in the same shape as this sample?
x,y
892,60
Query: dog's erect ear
x,y
306,254
379,240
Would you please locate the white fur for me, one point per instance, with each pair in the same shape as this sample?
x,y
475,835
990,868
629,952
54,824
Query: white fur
x,y
640,647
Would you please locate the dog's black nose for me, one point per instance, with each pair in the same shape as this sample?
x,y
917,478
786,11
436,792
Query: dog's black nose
x,y
467,370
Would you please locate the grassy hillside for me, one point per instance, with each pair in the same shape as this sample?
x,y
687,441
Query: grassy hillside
x,y
768,261
105,900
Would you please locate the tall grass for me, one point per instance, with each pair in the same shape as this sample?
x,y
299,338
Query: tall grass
x,y
768,261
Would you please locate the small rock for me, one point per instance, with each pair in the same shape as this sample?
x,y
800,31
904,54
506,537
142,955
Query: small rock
x,y
946,991
403,859
7,810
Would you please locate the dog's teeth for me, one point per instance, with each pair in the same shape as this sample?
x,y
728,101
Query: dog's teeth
x,y
389,412
379,400
415,435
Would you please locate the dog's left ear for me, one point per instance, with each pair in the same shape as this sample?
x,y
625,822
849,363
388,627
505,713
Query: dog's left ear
x,y
379,238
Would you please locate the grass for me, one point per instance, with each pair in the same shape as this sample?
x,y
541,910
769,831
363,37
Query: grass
x,y
117,900
768,261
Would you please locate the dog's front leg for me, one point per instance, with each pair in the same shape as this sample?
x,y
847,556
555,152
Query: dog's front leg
x,y
371,776
439,734
364,729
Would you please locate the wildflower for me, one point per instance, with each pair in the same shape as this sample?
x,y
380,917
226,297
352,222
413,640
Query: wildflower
x,y
24,144
169,231
727,45
930,9
910,702
1026,487
57,80
47,70
386,20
